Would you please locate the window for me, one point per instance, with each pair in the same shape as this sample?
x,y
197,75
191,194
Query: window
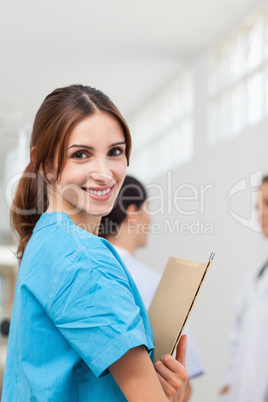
x,y
163,132
238,80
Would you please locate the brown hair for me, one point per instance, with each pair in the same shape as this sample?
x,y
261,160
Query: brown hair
x,y
265,179
56,117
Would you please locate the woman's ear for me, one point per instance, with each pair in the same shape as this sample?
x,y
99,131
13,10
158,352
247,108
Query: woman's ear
x,y
47,171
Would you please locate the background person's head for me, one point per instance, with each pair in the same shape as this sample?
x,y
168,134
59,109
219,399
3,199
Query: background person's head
x,y
128,223
59,114
262,206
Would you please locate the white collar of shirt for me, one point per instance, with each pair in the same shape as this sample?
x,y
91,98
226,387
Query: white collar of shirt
x,y
122,251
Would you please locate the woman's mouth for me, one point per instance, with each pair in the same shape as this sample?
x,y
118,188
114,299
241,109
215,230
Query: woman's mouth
x,y
99,194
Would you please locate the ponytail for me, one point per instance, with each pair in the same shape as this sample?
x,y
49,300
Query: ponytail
x,y
30,202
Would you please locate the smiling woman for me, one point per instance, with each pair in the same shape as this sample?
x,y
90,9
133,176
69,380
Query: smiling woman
x,y
79,329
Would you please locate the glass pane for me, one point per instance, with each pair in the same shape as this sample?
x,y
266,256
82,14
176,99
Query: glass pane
x,y
255,98
174,106
255,45
213,126
213,74
161,121
175,146
265,36
224,66
187,139
237,57
238,108
224,116
188,99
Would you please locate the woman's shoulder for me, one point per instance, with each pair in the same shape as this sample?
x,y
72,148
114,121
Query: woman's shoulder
x,y
60,253
59,229
57,237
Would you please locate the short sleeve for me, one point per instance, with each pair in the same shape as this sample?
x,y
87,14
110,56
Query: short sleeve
x,y
92,305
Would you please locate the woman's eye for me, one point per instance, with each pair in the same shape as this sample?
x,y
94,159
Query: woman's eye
x,y
79,155
115,152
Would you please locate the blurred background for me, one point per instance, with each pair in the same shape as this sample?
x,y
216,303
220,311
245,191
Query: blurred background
x,y
191,79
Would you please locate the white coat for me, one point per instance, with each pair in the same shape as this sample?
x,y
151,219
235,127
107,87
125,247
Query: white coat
x,y
247,371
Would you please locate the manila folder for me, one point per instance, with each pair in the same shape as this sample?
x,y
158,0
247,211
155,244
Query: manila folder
x,y
173,301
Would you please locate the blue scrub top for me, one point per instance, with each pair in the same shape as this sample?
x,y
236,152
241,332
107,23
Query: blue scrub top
x,y
76,311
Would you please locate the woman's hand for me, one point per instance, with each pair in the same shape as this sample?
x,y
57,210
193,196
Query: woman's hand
x,y
172,373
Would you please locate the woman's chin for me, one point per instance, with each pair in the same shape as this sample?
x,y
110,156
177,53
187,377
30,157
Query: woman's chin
x,y
100,212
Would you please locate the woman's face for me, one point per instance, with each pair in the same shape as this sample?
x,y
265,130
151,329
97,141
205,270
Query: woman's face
x,y
143,224
94,168
262,207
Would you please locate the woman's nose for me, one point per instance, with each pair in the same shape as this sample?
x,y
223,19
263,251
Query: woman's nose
x,y
100,171
101,177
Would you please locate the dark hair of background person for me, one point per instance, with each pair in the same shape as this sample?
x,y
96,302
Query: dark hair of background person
x,y
61,110
265,179
132,192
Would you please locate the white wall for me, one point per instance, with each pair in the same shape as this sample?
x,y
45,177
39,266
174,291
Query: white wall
x,y
238,249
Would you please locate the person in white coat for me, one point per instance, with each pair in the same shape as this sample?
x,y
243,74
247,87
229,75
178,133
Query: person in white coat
x,y
246,375
127,228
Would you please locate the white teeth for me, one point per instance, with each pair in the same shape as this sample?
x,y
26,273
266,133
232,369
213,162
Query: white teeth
x,y
99,192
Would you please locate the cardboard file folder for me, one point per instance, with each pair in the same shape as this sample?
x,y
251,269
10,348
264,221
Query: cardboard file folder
x,y
173,301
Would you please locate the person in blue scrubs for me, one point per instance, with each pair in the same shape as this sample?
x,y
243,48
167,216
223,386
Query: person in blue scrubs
x,y
79,329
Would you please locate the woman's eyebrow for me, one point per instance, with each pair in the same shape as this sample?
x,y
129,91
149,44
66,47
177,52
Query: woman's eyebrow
x,y
118,143
91,148
80,146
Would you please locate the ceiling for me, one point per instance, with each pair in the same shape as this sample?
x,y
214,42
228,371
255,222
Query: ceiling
x,y
126,48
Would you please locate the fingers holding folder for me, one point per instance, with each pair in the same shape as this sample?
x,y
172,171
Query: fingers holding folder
x,y
172,373
181,350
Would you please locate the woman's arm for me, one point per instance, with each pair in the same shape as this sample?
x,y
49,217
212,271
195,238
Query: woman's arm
x,y
139,380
